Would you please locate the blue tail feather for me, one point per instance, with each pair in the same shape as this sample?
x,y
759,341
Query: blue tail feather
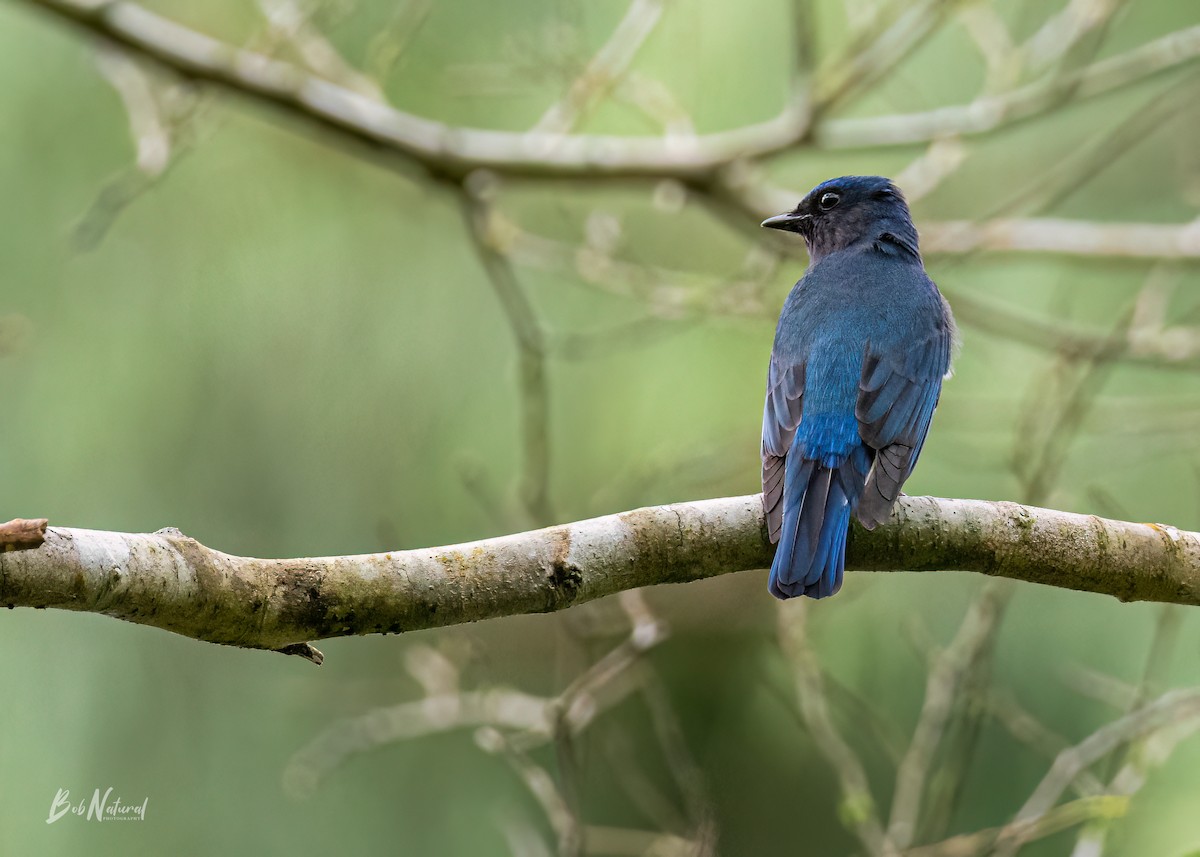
x,y
818,499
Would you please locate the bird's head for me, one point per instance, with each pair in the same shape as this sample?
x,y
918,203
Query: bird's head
x,y
840,212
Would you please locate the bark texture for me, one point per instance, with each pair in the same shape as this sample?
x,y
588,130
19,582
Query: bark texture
x,y
171,581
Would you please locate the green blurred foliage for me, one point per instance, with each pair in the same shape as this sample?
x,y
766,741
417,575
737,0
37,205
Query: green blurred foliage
x,y
284,349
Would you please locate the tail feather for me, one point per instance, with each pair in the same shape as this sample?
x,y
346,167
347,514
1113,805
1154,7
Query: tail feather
x,y
811,557
831,583
812,549
813,535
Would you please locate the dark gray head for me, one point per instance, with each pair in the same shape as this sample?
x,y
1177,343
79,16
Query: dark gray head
x,y
844,211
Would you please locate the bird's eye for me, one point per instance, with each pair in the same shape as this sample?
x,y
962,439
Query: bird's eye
x,y
829,200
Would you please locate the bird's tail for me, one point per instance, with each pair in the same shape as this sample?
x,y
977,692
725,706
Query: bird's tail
x,y
811,556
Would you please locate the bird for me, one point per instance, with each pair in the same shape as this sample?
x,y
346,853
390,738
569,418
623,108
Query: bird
x,y
863,342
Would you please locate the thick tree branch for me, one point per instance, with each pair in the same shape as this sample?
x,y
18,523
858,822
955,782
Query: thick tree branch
x,y
170,581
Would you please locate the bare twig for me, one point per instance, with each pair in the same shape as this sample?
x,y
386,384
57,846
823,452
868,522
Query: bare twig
x,y
990,112
498,707
1067,237
1168,352
1053,821
150,131
857,809
161,120
656,102
387,48
1171,710
639,843
290,23
926,172
1100,687
605,70
893,35
1051,429
1138,759
954,746
524,840
1027,729
511,724
531,348
946,675
541,785
987,29
1063,30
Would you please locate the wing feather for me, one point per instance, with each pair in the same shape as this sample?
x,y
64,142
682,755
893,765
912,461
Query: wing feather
x,y
897,396
781,416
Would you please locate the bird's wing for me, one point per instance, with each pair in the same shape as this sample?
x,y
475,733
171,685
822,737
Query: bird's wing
x,y
897,395
781,416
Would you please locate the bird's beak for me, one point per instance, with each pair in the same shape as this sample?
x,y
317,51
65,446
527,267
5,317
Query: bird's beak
x,y
788,222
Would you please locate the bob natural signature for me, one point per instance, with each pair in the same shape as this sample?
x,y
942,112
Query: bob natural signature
x,y
100,808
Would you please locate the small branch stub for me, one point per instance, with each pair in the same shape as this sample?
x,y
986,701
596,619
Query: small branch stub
x,y
304,650
22,533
